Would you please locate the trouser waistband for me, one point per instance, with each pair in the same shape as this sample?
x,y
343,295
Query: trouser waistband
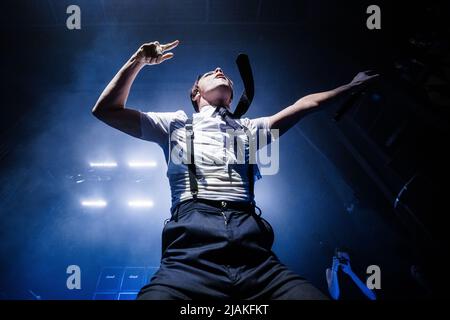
x,y
245,206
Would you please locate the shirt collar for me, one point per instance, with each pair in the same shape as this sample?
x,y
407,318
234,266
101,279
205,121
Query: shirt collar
x,y
207,111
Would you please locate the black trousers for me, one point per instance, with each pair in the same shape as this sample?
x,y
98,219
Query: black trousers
x,y
221,250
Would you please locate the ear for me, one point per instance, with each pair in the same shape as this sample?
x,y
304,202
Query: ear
x,y
197,94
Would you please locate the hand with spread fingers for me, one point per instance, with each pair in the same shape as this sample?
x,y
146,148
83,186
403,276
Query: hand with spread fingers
x,y
154,52
363,77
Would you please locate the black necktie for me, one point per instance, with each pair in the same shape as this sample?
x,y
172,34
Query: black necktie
x,y
227,117
253,170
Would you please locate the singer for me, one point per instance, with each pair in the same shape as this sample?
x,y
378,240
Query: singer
x,y
215,245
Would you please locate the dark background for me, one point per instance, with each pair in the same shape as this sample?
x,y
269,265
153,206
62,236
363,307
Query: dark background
x,y
339,183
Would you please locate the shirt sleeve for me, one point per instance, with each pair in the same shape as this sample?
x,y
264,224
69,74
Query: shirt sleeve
x,y
155,126
260,131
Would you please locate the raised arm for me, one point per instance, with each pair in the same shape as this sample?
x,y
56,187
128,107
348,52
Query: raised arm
x,y
332,279
289,116
110,107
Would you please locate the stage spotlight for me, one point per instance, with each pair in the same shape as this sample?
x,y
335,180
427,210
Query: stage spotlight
x,y
140,204
94,203
102,164
137,164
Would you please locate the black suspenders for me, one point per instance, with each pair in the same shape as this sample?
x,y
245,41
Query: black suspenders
x,y
192,169
190,157
251,176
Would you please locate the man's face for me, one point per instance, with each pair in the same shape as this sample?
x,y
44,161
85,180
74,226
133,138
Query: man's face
x,y
216,87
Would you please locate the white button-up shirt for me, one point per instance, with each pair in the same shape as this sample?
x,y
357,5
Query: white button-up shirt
x,y
218,176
